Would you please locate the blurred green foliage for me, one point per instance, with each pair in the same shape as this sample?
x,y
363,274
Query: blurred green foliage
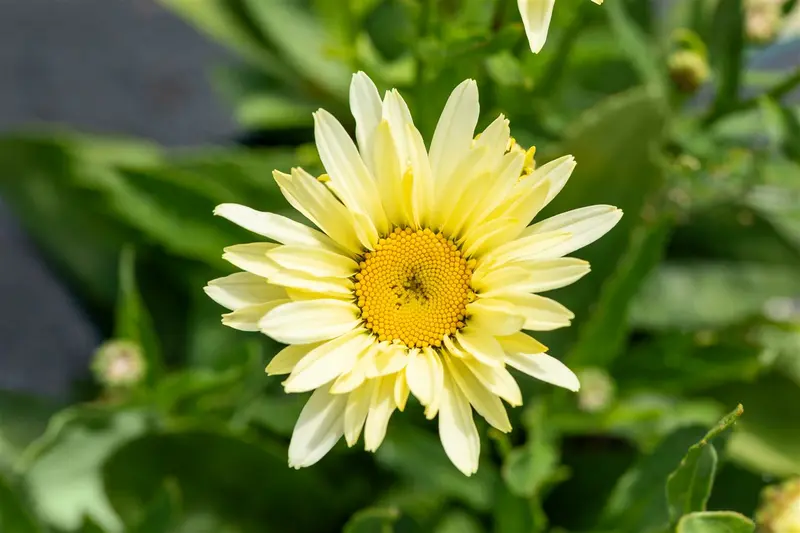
x,y
691,308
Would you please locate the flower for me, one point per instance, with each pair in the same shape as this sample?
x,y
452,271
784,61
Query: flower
x,y
420,279
536,15
119,364
779,509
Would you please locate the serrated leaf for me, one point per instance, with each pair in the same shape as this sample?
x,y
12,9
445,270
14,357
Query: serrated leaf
x,y
716,522
689,486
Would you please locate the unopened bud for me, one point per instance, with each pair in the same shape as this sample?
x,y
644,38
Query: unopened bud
x,y
597,390
688,70
119,364
779,511
763,20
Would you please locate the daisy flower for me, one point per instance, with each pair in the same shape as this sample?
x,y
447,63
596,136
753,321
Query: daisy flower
x,y
420,280
536,15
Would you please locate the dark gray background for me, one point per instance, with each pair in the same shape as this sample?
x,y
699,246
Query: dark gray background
x,y
100,66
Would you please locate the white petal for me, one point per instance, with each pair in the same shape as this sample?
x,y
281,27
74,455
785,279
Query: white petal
x,y
457,429
285,360
497,379
538,276
275,227
546,368
586,225
355,413
315,261
366,106
318,429
521,343
328,361
347,170
487,404
494,317
489,234
252,258
389,358
357,375
424,374
454,131
397,115
242,289
310,321
536,15
401,390
541,314
526,248
482,346
339,288
389,176
248,318
556,173
317,203
423,186
380,410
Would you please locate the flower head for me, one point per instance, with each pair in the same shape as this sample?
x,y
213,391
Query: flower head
x,y
119,364
779,511
536,15
420,279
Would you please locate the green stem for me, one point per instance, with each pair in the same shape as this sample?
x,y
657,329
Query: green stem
x,y
775,93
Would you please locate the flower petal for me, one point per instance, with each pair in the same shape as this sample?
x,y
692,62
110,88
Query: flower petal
x,y
366,106
498,380
252,258
380,410
536,15
482,346
586,225
424,374
315,261
401,390
318,204
318,429
248,318
457,429
285,360
454,132
276,227
339,288
495,317
310,321
535,276
541,314
546,368
328,361
355,413
487,404
242,289
347,170
389,358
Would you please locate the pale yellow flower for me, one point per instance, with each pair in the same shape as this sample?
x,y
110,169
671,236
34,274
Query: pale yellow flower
x,y
536,15
421,280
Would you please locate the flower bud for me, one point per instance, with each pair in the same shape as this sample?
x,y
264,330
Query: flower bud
x,y
119,364
597,390
688,70
779,511
763,20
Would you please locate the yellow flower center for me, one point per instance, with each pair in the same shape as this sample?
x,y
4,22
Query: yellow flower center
x,y
414,288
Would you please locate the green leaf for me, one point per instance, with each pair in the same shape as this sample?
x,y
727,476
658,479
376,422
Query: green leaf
x,y
727,53
529,468
459,522
631,123
602,338
766,439
511,514
372,521
283,25
638,502
716,522
391,28
417,456
15,514
62,469
161,514
719,293
233,481
133,321
689,486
